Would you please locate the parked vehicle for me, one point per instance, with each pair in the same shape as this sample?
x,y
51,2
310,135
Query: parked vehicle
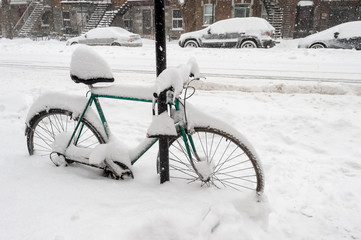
x,y
346,36
251,32
114,36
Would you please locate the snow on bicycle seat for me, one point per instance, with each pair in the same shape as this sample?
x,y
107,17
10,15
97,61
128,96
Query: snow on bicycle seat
x,y
88,67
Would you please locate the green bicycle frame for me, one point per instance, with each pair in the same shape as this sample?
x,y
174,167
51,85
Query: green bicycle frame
x,y
94,98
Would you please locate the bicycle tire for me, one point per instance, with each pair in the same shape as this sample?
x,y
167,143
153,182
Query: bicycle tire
x,y
233,164
45,125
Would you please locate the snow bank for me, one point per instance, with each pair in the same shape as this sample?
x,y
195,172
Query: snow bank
x,y
309,145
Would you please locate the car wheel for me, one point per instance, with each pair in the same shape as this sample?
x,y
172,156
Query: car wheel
x,y
191,44
248,44
116,44
317,45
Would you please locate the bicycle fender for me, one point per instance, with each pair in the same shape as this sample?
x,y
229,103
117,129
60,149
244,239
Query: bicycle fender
x,y
74,104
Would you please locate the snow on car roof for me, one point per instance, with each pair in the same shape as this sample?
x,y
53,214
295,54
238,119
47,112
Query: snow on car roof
x,y
250,24
345,30
107,31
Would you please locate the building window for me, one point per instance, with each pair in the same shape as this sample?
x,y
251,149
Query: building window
x,y
127,24
177,20
242,10
208,15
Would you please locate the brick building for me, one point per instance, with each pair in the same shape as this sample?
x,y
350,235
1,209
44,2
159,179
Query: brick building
x,y
301,18
291,18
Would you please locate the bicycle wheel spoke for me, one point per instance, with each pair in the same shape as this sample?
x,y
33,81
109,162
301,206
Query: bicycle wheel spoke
x,y
46,130
59,121
201,142
232,171
85,139
183,150
224,152
181,170
189,166
231,177
234,185
53,125
231,166
188,179
46,142
42,147
227,159
210,150
43,137
215,151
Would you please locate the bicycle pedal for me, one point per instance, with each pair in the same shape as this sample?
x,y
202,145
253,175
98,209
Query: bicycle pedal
x,y
117,170
58,159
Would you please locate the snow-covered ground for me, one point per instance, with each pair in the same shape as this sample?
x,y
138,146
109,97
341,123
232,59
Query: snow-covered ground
x,y
300,109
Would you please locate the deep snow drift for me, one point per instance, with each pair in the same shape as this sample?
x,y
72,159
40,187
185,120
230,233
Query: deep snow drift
x,y
307,134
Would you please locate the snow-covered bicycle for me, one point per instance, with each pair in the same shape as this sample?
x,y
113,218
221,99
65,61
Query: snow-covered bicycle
x,y
202,149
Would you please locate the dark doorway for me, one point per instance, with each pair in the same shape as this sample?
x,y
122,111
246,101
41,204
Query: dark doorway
x,y
304,20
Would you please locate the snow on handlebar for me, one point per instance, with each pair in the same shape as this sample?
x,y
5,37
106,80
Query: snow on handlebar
x,y
177,77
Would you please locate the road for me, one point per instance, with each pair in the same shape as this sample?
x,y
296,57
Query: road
x,y
274,75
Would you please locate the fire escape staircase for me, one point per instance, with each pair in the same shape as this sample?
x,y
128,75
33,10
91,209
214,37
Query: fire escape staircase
x,y
109,16
96,16
275,16
26,23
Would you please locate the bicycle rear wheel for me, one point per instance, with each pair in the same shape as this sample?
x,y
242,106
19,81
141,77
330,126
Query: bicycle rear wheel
x,y
222,161
47,124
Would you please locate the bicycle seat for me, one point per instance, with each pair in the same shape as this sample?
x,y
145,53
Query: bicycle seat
x,y
88,67
90,81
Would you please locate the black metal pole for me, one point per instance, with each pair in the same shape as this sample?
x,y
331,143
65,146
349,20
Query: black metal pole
x,y
160,50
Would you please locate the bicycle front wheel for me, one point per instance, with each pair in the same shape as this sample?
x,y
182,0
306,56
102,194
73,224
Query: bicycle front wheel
x,y
47,124
221,160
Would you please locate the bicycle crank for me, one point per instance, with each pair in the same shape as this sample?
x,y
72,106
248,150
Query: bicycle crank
x,y
117,170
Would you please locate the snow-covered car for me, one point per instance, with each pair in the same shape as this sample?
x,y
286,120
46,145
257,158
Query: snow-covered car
x,y
114,36
251,32
346,36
